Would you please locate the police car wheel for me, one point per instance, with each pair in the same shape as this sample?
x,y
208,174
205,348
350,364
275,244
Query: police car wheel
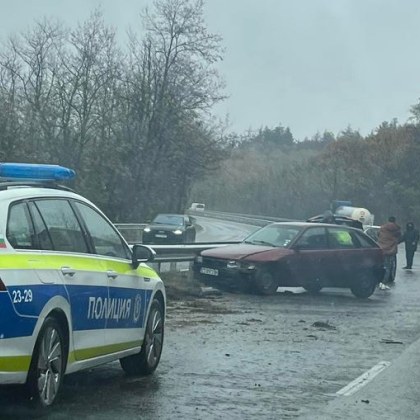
x,y
47,364
147,360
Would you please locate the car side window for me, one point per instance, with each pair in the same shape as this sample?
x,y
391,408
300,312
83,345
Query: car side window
x,y
41,231
342,239
372,233
365,242
19,228
104,237
313,238
63,227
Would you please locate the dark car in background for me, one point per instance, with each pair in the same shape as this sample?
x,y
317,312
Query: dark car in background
x,y
308,255
170,229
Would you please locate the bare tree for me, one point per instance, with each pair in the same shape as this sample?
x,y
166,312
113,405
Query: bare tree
x,y
173,85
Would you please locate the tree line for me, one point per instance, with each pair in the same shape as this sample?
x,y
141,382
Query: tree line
x,y
270,173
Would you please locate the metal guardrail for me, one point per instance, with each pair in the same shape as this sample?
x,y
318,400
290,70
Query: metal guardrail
x,y
185,252
132,232
180,257
240,218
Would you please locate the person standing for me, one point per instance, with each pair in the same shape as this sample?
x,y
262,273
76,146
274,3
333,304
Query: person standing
x,y
389,236
410,239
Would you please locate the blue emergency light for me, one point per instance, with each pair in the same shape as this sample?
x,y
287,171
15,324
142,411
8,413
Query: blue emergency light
x,y
36,172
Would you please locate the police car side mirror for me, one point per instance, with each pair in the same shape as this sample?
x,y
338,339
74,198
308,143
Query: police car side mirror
x,y
141,253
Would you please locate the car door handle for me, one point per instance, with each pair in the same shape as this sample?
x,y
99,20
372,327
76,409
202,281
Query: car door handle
x,y
67,271
112,274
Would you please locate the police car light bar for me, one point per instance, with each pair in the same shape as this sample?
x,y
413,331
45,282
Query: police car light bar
x,y
35,172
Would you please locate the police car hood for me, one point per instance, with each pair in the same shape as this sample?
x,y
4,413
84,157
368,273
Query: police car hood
x,y
247,251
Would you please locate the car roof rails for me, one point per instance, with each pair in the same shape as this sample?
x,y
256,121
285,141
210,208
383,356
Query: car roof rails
x,y
5,185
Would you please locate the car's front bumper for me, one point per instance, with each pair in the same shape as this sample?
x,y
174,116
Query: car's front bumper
x,y
223,278
170,238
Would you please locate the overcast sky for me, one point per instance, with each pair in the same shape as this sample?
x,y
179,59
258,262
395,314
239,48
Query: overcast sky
x,y
307,64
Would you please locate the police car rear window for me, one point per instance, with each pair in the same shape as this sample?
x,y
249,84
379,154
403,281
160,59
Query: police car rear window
x,y
19,228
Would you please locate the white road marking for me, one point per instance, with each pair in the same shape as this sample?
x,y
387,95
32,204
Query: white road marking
x,y
364,379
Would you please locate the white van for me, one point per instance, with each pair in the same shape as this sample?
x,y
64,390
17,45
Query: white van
x,y
198,206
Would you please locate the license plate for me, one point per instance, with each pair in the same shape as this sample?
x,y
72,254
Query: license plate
x,y
159,235
209,271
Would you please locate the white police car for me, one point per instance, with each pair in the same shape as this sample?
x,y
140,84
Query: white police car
x,y
72,293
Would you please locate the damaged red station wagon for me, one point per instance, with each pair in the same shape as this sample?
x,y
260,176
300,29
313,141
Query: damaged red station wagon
x,y
295,254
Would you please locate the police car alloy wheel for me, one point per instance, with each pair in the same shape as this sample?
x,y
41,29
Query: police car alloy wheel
x,y
145,362
47,367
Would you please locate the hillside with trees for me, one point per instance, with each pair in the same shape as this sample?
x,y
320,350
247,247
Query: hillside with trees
x,y
300,179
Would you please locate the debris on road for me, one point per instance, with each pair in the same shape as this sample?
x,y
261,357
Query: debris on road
x,y
389,341
210,291
323,325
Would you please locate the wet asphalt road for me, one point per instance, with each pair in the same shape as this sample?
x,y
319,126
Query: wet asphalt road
x,y
244,357
239,356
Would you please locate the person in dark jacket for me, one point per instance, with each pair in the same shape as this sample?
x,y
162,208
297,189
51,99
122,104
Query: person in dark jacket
x,y
389,236
411,239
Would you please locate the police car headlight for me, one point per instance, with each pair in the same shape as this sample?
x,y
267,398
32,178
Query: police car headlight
x,y
146,229
199,259
178,232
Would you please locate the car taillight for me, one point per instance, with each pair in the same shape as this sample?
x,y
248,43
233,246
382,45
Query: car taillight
x,y
2,286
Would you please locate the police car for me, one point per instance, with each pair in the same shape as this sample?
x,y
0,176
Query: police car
x,y
73,295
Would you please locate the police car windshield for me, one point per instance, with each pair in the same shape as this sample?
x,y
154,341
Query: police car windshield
x,y
168,219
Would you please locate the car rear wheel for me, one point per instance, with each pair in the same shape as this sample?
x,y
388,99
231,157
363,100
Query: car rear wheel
x,y
47,365
364,286
265,282
147,360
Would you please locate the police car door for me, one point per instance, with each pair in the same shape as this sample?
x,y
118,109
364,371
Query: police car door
x,y
129,292
83,274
